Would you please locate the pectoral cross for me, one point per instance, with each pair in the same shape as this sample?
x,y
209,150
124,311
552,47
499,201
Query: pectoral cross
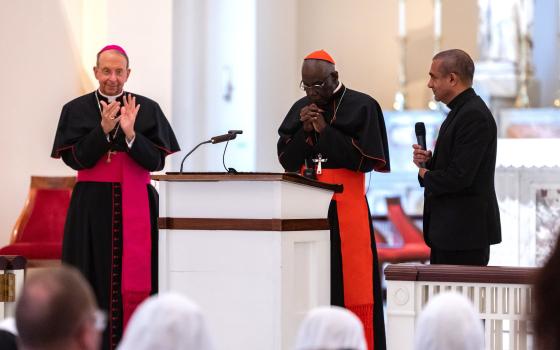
x,y
109,154
319,160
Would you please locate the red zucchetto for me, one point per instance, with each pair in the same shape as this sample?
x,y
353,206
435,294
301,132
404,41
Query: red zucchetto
x,y
320,55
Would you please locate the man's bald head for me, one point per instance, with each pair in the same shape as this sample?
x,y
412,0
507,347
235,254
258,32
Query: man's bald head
x,y
53,305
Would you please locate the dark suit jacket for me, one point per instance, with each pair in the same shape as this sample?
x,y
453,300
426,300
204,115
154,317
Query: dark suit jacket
x,y
460,205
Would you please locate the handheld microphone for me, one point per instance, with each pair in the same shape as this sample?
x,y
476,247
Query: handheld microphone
x,y
420,130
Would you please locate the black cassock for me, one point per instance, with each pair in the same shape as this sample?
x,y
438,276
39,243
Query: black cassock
x,y
354,142
92,234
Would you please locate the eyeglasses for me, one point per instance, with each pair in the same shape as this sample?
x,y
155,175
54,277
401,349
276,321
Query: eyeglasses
x,y
316,86
99,320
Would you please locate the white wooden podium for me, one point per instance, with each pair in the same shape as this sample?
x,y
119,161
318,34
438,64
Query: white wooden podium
x,y
251,249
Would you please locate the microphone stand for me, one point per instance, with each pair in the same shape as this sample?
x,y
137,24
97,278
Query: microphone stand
x,y
188,154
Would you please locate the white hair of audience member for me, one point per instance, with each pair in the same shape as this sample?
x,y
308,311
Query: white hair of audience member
x,y
167,321
331,328
449,321
9,325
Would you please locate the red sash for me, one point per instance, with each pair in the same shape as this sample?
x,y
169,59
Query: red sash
x,y
355,241
136,251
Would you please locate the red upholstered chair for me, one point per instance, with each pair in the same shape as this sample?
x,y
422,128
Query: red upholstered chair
x,y
412,247
37,234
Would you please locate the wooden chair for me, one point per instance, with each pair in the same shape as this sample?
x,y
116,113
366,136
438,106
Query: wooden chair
x,y
12,274
413,247
38,232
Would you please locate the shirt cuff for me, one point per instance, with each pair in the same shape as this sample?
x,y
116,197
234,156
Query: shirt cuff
x,y
131,142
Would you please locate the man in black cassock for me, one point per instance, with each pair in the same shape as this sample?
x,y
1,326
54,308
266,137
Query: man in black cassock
x,y
337,135
114,139
461,215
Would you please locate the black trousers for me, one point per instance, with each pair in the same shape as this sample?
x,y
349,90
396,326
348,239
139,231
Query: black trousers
x,y
476,257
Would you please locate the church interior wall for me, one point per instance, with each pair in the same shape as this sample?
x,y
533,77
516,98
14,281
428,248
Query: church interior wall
x,y
189,72
40,73
278,74
229,85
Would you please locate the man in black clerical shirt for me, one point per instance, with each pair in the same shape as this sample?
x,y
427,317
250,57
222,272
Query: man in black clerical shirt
x,y
461,215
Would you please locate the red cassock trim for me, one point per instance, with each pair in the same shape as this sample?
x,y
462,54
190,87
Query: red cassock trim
x,y
355,239
168,151
136,251
380,162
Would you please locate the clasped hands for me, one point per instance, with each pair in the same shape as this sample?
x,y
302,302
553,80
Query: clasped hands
x,y
312,118
126,119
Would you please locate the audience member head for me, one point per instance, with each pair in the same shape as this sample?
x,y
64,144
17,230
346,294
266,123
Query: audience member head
x,y
451,73
57,310
331,328
167,321
449,321
547,303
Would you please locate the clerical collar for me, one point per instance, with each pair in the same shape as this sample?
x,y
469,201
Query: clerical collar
x,y
338,87
461,98
110,98
337,93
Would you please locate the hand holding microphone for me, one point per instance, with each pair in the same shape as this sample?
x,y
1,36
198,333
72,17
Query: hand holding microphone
x,y
420,154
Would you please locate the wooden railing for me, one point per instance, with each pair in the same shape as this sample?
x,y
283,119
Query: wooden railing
x,y
12,274
501,295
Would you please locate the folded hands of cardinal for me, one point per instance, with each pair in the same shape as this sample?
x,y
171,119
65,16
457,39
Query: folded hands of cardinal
x,y
312,118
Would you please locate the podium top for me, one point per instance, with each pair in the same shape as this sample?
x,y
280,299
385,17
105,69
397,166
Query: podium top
x,y
215,176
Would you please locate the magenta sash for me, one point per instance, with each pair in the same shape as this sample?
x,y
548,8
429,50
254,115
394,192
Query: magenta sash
x,y
136,251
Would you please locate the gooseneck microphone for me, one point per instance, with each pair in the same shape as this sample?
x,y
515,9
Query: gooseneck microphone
x,y
420,130
231,134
